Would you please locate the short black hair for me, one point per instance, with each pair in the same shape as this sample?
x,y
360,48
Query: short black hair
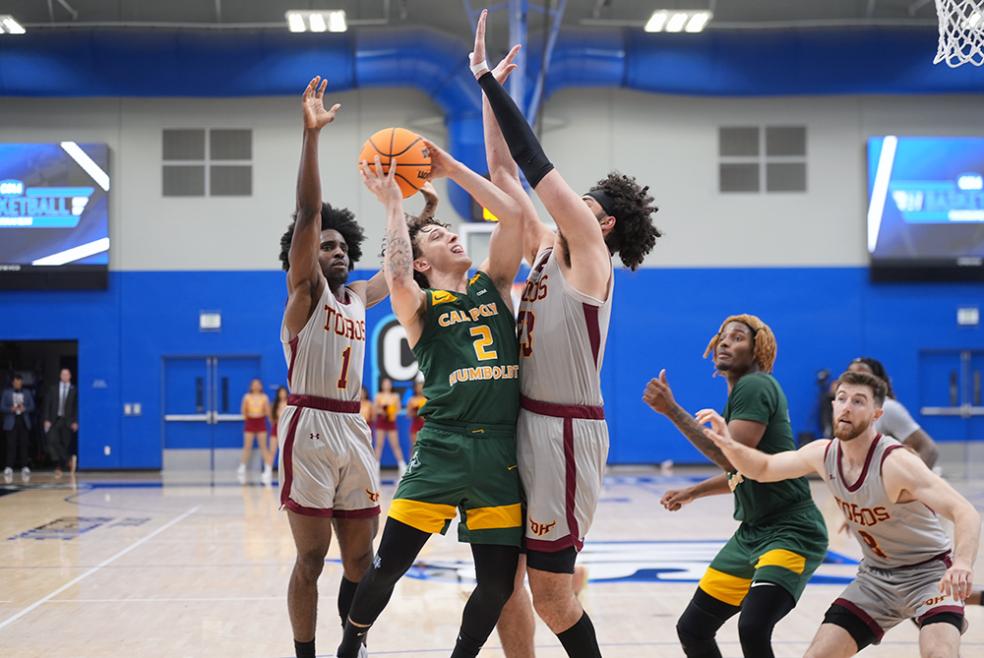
x,y
338,219
878,386
878,370
634,235
17,376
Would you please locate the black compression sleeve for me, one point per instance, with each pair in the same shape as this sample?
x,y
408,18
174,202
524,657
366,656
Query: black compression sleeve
x,y
523,145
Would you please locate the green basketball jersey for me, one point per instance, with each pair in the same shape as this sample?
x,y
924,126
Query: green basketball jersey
x,y
469,356
757,397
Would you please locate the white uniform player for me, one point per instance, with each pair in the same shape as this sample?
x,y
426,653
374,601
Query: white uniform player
x,y
327,467
562,437
906,551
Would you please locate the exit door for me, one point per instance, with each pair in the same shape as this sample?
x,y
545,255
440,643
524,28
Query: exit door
x,y
951,397
202,403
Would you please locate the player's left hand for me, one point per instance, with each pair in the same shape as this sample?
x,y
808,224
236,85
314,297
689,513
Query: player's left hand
x,y
315,115
430,199
957,582
658,394
505,67
718,430
477,55
441,161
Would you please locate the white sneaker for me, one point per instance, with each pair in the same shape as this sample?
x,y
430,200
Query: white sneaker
x,y
8,475
25,474
241,474
267,477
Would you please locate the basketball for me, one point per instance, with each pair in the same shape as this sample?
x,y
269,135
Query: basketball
x,y
413,166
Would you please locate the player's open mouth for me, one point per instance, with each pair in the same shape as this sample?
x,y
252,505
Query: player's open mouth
x,y
457,249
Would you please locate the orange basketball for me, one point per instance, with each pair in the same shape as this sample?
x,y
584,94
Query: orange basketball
x,y
413,163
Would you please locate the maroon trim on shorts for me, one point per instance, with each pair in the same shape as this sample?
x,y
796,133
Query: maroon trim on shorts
x,y
943,557
287,455
365,513
864,469
549,546
939,610
309,511
885,454
570,478
562,410
293,356
863,616
594,330
324,404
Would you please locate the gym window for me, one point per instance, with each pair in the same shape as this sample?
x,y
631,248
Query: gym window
x,y
767,159
214,162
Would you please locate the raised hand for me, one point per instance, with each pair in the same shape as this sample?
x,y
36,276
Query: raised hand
x,y
477,55
316,116
441,161
383,185
674,499
658,394
505,67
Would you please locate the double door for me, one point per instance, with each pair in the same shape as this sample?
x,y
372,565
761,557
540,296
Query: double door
x,y
202,405
951,400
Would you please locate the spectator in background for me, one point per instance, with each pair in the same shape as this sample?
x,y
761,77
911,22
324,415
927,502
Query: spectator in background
x,y
276,411
255,410
17,404
387,407
61,419
414,405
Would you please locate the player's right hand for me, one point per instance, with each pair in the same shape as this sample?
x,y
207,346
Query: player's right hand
x,y
313,105
505,67
477,55
958,581
718,430
383,185
658,394
674,499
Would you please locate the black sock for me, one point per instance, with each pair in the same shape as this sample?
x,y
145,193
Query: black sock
x,y
304,649
579,640
466,647
346,592
352,639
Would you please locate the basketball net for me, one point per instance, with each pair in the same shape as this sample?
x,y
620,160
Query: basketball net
x,y
961,32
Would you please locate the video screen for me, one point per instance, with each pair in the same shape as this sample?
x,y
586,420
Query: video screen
x,y
926,207
54,215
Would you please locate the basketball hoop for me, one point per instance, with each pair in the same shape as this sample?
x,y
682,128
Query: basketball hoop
x,y
961,32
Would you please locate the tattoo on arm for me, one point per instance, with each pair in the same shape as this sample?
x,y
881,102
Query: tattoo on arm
x,y
695,434
398,252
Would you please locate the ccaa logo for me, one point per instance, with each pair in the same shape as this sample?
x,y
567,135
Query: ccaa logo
x,y
11,186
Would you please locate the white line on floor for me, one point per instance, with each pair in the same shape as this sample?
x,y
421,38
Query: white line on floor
x,y
180,600
9,620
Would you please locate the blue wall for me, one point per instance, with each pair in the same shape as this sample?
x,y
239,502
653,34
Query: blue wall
x,y
662,318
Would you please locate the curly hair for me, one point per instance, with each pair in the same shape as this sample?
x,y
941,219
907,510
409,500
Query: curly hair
x,y
878,370
763,340
338,219
634,235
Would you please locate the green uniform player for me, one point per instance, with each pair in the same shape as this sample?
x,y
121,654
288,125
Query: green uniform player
x,y
465,458
463,334
782,539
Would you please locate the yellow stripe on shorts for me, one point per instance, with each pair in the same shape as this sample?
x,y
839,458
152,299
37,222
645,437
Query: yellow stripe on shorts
x,y
725,587
780,557
493,518
426,517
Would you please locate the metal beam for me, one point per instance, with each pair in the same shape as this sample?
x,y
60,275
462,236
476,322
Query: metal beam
x,y
556,17
518,24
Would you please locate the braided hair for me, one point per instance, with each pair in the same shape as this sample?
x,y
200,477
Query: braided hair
x,y
763,340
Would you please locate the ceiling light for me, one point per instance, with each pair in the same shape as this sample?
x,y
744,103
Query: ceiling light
x,y
671,20
10,26
316,21
657,21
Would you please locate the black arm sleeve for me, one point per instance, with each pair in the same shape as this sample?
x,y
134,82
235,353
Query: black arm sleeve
x,y
523,144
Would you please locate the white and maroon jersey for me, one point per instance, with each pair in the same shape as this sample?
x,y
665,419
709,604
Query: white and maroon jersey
x,y
325,359
562,334
891,534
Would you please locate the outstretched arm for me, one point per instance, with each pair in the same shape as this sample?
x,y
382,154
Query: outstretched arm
x,y
503,170
590,259
305,282
405,295
758,465
505,247
907,478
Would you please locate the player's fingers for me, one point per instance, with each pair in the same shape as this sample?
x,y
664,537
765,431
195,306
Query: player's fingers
x,y
511,55
391,174
662,376
321,88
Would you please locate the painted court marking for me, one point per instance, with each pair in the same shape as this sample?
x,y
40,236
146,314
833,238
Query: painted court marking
x,y
96,568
